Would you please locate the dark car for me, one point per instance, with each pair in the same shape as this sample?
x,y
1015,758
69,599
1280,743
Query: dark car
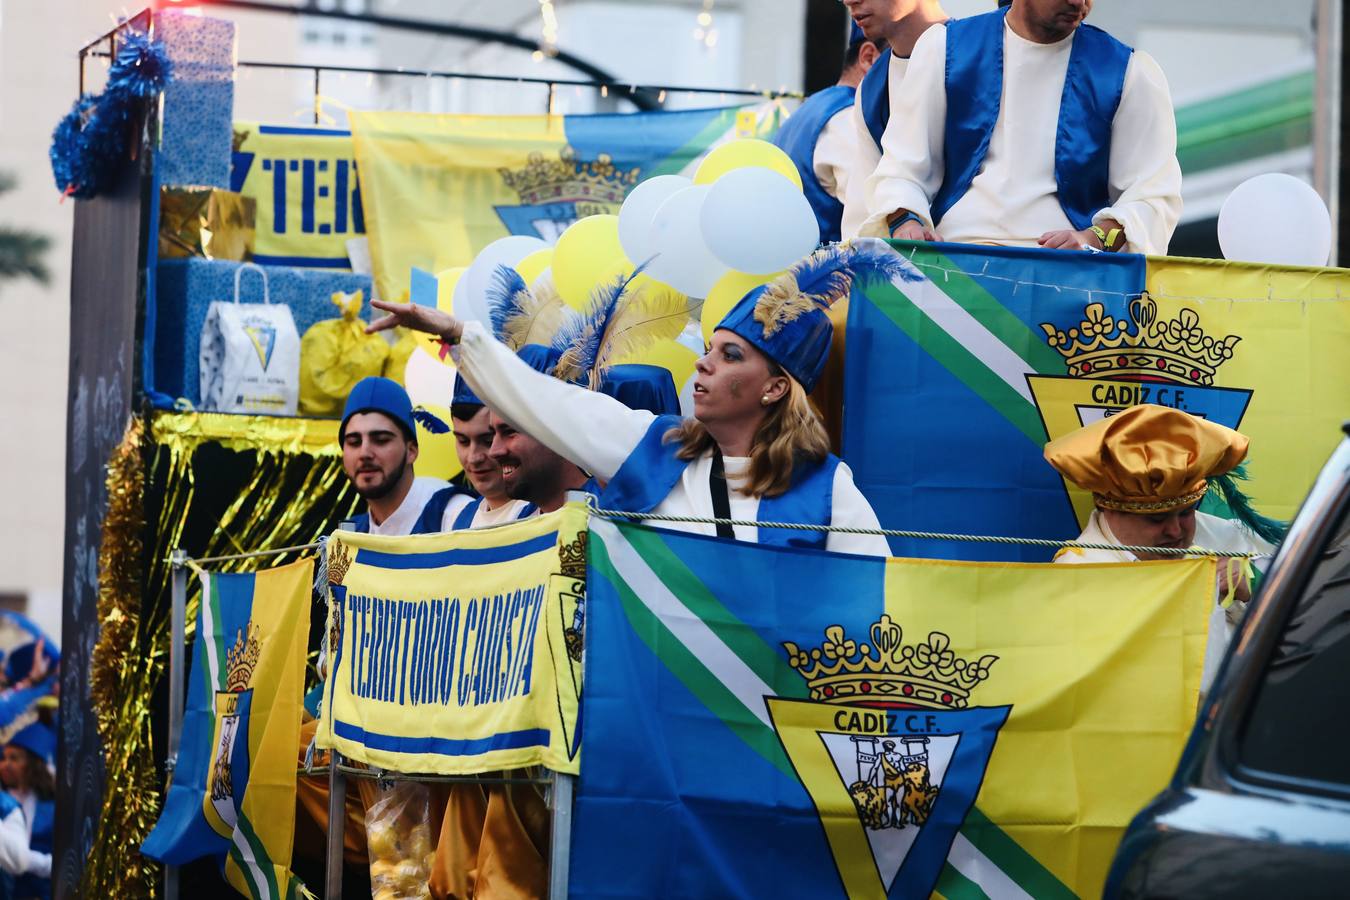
x,y
1260,803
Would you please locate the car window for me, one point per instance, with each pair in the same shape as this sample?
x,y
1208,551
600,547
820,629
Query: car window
x,y
1300,723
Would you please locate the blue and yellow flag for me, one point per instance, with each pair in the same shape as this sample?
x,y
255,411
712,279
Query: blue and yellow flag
x,y
439,188
233,790
992,351
460,652
762,722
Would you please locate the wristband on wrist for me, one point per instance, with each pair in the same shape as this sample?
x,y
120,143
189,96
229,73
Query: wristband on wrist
x,y
1110,239
907,217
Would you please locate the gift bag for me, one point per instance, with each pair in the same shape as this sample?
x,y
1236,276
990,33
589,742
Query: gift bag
x,y
335,354
250,355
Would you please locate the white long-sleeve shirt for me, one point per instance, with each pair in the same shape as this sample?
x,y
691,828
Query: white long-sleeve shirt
x,y
1211,533
833,159
866,155
1013,199
402,520
598,433
16,856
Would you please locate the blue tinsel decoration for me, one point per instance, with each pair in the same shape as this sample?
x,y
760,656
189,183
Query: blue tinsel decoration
x,y
89,143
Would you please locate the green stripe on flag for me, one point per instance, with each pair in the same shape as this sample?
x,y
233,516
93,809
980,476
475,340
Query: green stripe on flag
x,y
990,312
953,356
261,861
1015,862
688,668
765,661
955,886
711,133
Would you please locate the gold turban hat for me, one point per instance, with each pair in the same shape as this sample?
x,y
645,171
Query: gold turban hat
x,y
1147,459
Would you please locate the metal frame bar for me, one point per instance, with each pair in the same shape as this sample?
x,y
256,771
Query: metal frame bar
x,y
177,661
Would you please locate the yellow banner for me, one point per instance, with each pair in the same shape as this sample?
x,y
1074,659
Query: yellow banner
x,y
457,653
303,180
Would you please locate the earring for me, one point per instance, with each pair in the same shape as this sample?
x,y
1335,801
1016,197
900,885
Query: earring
x,y
764,401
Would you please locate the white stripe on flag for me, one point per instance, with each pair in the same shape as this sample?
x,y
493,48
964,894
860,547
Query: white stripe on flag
x,y
967,331
697,637
253,870
208,635
967,859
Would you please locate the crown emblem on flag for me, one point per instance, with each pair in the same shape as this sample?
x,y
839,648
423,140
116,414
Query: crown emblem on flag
x,y
567,178
926,674
339,561
241,660
1177,350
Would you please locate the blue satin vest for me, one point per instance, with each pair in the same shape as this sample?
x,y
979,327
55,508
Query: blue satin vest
x,y
874,96
652,470
798,139
465,517
1092,89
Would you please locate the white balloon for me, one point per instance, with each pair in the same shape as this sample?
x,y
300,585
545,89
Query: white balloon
x,y
469,300
428,380
638,210
687,397
1278,219
757,221
682,259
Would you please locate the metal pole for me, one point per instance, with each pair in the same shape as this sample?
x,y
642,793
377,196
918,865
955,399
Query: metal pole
x,y
560,845
1327,119
318,73
177,656
337,787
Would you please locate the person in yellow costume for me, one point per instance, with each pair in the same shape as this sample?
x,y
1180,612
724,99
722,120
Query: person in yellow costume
x,y
1148,467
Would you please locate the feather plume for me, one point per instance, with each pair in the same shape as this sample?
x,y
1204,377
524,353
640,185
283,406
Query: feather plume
x,y
619,323
1225,488
506,295
825,277
535,320
430,421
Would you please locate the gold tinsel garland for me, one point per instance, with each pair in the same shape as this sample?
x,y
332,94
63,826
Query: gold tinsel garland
x,y
123,671
295,491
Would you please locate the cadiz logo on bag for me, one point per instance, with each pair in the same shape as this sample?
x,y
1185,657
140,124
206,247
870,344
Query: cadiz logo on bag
x,y
890,751
229,758
263,335
1113,364
555,193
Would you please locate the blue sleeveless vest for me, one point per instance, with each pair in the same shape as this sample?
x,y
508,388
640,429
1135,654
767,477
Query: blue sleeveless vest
x,y
798,139
652,470
874,96
1092,89
465,517
361,523
41,841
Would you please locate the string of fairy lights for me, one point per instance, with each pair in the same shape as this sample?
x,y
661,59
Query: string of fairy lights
x,y
705,32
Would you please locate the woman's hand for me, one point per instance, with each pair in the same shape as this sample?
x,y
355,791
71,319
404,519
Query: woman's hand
x,y
418,318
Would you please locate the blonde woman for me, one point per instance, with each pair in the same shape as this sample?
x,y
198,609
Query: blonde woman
x,y
755,449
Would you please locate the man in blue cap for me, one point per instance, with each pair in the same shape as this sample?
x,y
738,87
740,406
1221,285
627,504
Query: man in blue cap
x,y
379,447
819,136
897,24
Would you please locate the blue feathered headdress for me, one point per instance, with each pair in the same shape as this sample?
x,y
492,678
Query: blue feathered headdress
x,y
786,318
620,323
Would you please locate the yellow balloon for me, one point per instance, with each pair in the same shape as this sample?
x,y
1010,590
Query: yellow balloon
x,y
587,255
446,279
532,266
744,153
675,358
730,289
436,457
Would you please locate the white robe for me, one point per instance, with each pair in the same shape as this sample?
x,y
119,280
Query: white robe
x,y
865,153
598,433
402,520
833,159
1013,199
1211,533
483,517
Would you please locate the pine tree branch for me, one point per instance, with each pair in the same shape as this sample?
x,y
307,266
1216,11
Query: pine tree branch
x,y
21,254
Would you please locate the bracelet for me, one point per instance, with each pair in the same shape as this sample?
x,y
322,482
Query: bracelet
x,y
907,217
1108,238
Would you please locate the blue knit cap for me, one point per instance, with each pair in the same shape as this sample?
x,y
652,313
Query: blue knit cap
x,y
38,738
381,395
